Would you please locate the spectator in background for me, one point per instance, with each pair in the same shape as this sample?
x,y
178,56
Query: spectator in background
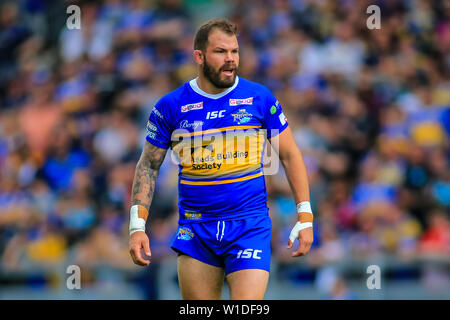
x,y
436,238
40,106
369,109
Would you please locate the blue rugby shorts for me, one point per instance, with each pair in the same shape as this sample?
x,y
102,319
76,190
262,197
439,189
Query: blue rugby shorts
x,y
230,244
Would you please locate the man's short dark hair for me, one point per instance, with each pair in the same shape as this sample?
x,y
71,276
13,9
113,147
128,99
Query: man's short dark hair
x,y
201,38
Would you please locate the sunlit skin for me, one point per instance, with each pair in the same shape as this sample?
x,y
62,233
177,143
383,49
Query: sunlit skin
x,y
217,66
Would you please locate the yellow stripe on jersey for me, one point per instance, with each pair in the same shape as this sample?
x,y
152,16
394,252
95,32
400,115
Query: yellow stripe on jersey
x,y
207,183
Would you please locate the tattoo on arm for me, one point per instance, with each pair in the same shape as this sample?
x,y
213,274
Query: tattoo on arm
x,y
146,174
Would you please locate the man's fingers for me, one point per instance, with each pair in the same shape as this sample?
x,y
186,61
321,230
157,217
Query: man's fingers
x,y
290,243
308,247
303,248
137,258
300,250
297,254
147,250
133,256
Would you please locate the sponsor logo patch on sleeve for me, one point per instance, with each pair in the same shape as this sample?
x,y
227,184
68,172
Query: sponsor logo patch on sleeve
x,y
157,113
282,118
151,126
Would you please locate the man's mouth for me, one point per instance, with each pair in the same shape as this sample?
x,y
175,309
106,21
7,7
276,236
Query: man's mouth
x,y
228,71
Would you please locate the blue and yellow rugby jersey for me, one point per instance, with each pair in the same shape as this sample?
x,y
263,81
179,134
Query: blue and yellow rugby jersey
x,y
218,141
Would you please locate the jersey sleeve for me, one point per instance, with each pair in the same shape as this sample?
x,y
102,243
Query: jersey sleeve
x,y
274,119
159,125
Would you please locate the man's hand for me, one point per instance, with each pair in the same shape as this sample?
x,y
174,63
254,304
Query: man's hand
x,y
139,241
305,238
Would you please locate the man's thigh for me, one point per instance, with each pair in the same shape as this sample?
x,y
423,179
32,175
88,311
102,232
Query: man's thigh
x,y
239,248
247,244
247,260
199,280
248,284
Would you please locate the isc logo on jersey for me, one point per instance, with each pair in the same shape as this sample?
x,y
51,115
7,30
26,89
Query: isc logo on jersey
x,y
215,114
237,102
192,106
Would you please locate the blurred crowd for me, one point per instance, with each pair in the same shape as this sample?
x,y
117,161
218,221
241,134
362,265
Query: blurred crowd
x,y
369,109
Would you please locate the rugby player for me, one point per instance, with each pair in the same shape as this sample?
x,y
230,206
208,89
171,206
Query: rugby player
x,y
224,227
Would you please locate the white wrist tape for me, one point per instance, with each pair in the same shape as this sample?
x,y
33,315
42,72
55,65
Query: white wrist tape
x,y
304,206
297,228
136,223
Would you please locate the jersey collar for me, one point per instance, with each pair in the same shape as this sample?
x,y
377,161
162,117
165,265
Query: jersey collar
x,y
195,87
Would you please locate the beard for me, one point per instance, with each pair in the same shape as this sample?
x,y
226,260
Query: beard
x,y
214,76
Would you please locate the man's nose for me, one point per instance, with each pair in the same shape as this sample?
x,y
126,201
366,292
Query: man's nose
x,y
229,57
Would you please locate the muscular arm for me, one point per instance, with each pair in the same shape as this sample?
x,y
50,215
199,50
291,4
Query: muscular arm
x,y
146,174
144,183
292,161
